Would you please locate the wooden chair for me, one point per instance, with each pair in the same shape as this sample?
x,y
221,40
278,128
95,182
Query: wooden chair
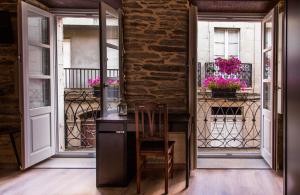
x,y
151,122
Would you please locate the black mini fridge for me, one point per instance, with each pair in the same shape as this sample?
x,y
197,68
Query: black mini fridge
x,y
114,152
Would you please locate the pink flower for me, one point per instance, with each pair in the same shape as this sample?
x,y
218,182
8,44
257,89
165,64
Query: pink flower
x,y
224,83
113,82
230,66
94,82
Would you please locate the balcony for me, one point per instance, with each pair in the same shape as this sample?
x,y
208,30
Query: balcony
x,y
82,106
228,124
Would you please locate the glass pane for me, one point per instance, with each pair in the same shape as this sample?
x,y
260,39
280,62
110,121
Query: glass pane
x,y
39,60
233,49
267,65
39,93
38,28
112,89
268,34
219,49
112,59
233,36
219,35
112,29
267,95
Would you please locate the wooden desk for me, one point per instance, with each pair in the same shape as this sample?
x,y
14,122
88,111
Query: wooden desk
x,y
113,136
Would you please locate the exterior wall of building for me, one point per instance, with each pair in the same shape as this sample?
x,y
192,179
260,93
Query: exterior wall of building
x,y
249,46
84,46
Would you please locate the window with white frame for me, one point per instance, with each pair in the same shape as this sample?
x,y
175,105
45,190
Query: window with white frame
x,y
226,42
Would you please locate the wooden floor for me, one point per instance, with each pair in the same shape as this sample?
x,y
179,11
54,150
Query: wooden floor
x,y
82,182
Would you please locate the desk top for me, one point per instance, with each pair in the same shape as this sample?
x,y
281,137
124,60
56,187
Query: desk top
x,y
115,117
177,122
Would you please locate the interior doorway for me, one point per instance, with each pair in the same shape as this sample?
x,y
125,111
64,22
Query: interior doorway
x,y
246,125
232,127
83,80
229,126
78,66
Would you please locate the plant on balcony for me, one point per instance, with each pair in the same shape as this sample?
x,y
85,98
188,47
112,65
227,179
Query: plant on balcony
x,y
226,84
113,82
231,66
113,88
95,84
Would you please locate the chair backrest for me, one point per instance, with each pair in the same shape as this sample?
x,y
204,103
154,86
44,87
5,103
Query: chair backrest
x,y
151,122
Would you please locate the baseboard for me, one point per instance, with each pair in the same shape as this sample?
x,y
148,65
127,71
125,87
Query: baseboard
x,y
12,166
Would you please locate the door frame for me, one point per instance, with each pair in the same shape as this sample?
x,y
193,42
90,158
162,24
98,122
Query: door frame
x,y
240,17
24,106
60,13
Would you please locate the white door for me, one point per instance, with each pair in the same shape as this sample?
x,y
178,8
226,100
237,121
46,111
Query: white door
x,y
267,88
38,91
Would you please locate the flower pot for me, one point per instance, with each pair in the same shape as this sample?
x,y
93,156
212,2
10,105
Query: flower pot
x,y
223,93
97,92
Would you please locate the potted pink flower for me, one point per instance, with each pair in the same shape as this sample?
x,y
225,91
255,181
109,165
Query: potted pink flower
x,y
95,84
113,88
232,66
226,84
224,87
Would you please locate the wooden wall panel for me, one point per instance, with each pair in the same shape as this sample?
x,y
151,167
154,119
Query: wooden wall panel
x,y
9,101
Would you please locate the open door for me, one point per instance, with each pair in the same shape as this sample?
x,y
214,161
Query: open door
x,y
111,53
267,91
38,85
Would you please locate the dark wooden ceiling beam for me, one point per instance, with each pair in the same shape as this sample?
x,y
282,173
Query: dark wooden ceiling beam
x,y
235,6
79,4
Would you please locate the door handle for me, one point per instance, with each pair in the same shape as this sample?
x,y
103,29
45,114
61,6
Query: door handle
x,y
120,132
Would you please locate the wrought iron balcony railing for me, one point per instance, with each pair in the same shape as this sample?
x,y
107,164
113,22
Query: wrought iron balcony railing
x,y
82,108
228,123
211,70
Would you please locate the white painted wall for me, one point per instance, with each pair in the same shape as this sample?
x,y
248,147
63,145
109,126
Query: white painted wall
x,y
250,46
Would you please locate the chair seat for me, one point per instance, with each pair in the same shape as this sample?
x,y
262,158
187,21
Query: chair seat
x,y
155,146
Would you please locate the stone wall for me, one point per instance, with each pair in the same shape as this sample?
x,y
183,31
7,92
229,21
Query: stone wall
x,y
9,101
156,50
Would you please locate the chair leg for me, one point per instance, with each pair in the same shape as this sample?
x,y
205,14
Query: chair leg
x,y
138,176
166,177
172,162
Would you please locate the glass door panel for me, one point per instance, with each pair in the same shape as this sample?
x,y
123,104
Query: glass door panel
x,y
268,34
267,88
39,93
38,28
39,60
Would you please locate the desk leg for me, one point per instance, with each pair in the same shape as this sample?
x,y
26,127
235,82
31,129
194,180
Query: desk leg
x,y
187,160
12,139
